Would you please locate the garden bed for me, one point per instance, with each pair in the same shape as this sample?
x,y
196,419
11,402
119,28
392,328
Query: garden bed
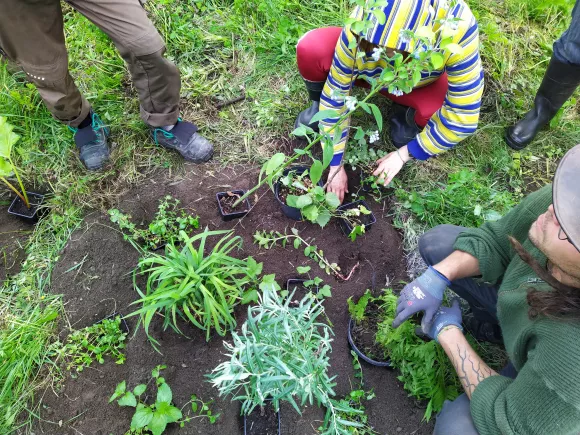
x,y
93,274
13,236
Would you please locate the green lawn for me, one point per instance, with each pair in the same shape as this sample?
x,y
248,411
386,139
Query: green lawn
x,y
224,48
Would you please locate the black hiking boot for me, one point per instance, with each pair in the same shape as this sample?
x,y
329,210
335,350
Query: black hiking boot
x,y
314,93
403,126
482,331
560,82
184,139
92,143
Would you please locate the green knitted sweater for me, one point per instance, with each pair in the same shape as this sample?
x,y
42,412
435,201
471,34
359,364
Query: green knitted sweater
x,y
544,399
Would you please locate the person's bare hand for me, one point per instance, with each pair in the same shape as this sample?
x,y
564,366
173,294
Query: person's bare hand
x,y
390,165
338,182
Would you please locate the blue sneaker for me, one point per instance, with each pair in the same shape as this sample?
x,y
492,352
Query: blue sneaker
x,y
92,143
184,139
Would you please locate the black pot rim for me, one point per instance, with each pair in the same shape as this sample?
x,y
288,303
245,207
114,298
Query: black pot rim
x,y
34,207
279,421
301,168
359,353
299,280
347,206
236,214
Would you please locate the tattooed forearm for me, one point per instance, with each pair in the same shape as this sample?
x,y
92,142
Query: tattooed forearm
x,y
470,369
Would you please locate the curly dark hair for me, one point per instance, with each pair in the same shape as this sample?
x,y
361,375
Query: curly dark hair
x,y
562,303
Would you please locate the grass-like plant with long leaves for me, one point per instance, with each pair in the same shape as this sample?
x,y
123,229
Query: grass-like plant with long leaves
x,y
202,288
282,354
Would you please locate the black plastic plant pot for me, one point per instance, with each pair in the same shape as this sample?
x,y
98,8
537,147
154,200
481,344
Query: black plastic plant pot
x,y
30,215
244,207
291,212
122,326
298,284
366,219
360,354
263,421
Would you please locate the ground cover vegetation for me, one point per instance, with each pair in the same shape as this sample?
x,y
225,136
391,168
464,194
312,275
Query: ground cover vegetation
x,y
231,48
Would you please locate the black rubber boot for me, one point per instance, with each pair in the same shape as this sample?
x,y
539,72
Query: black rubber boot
x,y
403,126
560,82
92,143
184,139
314,92
482,331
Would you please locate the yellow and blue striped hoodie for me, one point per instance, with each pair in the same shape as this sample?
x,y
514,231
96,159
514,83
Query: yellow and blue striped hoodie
x,y
459,115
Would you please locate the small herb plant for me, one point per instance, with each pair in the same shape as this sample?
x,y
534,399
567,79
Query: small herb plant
x,y
313,285
353,217
7,167
282,354
190,284
303,192
93,343
164,228
155,417
353,415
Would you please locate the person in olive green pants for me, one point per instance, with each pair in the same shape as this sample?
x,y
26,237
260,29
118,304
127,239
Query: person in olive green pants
x,y
32,36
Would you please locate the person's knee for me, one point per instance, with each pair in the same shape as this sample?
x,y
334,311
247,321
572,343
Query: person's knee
x,y
437,243
315,51
455,418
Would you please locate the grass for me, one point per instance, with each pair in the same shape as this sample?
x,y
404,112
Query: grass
x,y
225,48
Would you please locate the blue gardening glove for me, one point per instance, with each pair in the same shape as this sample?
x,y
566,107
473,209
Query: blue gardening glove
x,y
423,294
445,316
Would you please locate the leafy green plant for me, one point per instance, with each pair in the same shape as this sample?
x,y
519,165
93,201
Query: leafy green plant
x,y
268,240
467,199
7,167
156,416
313,285
352,414
303,192
357,310
282,354
93,343
169,220
354,218
199,287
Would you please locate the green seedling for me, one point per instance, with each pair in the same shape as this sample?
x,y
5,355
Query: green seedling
x,y
7,167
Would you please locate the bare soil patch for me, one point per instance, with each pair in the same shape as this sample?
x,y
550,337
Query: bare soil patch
x,y
13,235
94,277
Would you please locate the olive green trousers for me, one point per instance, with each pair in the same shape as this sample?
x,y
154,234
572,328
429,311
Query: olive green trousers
x,y
32,36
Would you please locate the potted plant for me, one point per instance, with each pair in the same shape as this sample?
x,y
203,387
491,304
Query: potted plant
x,y
227,204
26,205
365,316
282,354
355,218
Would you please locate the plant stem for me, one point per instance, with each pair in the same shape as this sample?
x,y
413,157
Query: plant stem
x,y
24,200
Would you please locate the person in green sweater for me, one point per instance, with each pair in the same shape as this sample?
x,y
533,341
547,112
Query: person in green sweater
x,y
529,289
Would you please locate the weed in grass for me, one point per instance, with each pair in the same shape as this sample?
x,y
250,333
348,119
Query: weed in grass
x,y
199,287
90,344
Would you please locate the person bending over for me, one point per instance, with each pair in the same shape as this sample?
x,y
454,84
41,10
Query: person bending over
x,y
440,112
521,277
32,37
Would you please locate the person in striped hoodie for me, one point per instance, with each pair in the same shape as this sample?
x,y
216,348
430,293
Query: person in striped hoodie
x,y
441,111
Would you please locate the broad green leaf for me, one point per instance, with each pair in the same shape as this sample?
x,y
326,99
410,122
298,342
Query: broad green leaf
x,y
387,76
303,269
323,218
332,200
127,399
297,243
250,296
316,172
437,60
291,200
139,389
365,107
378,116
300,131
303,201
425,32
325,291
416,77
142,417
7,138
6,169
380,16
158,423
275,162
172,414
310,213
121,387
324,114
164,393
454,48
327,154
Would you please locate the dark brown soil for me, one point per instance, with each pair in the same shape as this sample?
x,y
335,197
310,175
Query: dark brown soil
x,y
21,209
228,200
262,421
363,333
13,235
101,283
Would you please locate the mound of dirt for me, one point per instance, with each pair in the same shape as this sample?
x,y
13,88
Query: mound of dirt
x,y
94,277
